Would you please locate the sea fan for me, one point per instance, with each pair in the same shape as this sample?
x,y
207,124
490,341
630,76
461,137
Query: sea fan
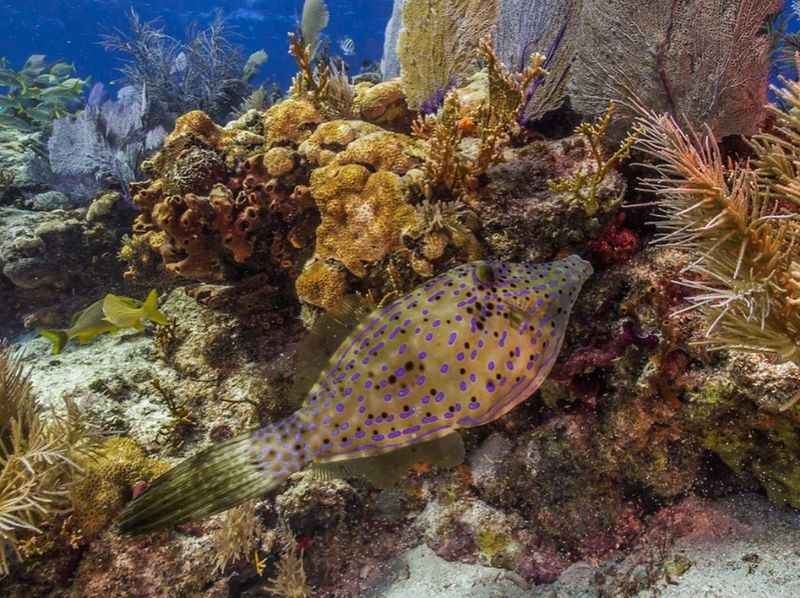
x,y
315,18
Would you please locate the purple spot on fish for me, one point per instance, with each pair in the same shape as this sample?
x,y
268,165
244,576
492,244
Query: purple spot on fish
x,y
448,415
481,344
394,434
463,386
360,398
360,434
327,404
472,377
422,355
444,368
510,365
429,337
440,397
394,334
491,365
430,419
387,397
340,407
503,338
452,339
384,368
411,430
437,323
378,437
355,377
368,384
473,355
348,392
459,318
474,405
490,386
403,392
417,330
426,399
326,420
402,348
365,361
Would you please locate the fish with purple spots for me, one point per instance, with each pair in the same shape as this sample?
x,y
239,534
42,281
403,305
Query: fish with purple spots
x,y
459,351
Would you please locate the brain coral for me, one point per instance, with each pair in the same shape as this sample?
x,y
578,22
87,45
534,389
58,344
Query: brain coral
x,y
363,214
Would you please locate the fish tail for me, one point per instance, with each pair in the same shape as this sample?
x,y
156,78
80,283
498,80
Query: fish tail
x,y
150,309
57,338
216,479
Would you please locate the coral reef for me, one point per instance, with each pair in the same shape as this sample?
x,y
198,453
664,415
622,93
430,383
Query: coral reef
x,y
583,186
677,376
207,201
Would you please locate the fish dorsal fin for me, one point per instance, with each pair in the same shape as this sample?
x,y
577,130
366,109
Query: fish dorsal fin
x,y
325,336
386,470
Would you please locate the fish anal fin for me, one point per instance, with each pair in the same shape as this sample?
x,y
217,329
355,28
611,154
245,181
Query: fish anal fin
x,y
386,470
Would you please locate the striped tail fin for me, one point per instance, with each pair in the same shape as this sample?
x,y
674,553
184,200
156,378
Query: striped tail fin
x,y
216,479
57,338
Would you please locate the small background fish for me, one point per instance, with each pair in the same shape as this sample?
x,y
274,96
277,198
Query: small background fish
x,y
347,46
109,314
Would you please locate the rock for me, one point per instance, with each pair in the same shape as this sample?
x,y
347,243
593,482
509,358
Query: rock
x,y
420,572
312,506
739,546
50,200
490,465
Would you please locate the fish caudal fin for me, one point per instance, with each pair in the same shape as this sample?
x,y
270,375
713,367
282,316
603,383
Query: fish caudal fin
x,y
150,309
216,479
57,338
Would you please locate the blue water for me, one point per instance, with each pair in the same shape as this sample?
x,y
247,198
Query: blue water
x,y
70,29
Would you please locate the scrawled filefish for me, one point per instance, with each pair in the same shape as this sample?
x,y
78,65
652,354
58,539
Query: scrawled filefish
x,y
459,351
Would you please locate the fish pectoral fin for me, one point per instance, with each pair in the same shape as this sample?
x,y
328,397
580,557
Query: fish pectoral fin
x,y
386,470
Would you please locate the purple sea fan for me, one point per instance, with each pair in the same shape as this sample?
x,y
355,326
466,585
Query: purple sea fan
x,y
546,26
436,100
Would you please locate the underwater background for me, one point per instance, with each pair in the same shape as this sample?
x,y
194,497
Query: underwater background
x,y
70,31
400,298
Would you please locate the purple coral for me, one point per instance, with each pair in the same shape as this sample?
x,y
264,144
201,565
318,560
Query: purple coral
x,y
436,99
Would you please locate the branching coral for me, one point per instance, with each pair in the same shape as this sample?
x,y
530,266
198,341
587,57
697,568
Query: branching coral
x,y
205,72
237,537
38,458
324,83
454,165
290,578
583,187
738,223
